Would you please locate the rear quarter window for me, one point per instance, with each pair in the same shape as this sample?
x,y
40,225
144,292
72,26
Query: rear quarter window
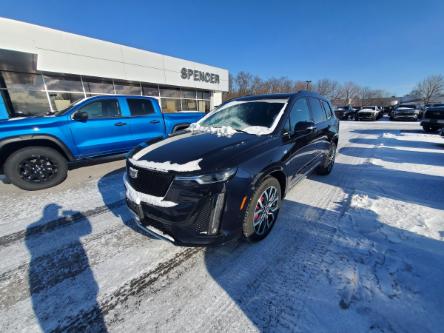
x,y
140,107
327,108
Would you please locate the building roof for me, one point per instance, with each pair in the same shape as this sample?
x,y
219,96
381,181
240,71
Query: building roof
x,y
57,51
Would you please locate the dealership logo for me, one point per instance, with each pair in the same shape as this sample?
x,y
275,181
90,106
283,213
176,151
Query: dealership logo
x,y
133,172
194,74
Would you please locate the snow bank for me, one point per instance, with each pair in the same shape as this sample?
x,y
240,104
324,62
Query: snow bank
x,y
139,197
167,166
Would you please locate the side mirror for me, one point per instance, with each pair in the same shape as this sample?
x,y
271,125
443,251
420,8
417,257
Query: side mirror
x,y
304,127
80,116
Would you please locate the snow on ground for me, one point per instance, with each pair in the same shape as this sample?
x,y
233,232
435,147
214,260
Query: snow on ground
x,y
359,250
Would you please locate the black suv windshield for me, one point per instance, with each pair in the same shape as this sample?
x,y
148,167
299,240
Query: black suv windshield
x,y
246,115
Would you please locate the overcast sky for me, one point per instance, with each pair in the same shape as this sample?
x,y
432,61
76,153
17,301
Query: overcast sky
x,y
387,45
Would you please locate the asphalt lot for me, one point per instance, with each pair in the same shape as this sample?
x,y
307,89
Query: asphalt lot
x,y
352,251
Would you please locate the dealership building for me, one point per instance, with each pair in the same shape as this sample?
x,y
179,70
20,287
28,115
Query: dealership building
x,y
45,70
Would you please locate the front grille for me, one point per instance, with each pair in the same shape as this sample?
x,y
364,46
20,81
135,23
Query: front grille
x,y
365,114
438,114
405,113
149,181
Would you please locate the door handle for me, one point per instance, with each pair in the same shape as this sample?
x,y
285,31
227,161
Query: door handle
x,y
154,121
120,124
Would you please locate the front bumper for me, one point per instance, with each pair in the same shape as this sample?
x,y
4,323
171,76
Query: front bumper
x,y
366,116
200,214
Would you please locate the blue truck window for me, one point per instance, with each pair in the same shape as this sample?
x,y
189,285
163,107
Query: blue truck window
x,y
140,107
106,108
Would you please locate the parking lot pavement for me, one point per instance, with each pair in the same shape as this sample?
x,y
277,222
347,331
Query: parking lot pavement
x,y
358,250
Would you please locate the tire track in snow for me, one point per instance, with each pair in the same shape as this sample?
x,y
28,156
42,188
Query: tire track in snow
x,y
135,288
63,263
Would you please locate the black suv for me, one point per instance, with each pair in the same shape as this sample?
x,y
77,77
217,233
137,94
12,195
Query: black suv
x,y
433,118
345,112
226,175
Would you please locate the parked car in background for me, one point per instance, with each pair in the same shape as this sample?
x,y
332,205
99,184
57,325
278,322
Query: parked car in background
x,y
225,177
369,113
406,112
433,119
345,112
35,151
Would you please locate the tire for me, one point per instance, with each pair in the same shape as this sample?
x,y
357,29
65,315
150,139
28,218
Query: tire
x,y
429,128
329,161
254,230
36,168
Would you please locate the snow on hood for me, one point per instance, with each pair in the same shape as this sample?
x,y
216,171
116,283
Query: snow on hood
x,y
219,131
167,166
257,130
138,197
368,110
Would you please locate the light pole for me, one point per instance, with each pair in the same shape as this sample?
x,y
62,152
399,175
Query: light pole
x,y
307,84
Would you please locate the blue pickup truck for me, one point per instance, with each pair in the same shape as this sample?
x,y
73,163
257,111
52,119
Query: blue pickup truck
x,y
35,151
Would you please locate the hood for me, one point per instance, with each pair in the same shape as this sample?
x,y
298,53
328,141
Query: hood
x,y
25,122
404,109
196,152
368,110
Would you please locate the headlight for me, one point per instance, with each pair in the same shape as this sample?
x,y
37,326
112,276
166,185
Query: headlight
x,y
210,178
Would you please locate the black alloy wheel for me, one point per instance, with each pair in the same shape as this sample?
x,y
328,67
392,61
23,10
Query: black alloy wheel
x,y
36,168
262,210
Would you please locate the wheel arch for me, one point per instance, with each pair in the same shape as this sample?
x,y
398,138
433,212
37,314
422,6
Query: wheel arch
x,y
180,126
275,171
10,145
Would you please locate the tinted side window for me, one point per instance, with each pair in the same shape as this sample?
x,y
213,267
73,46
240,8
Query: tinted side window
x,y
140,107
299,112
106,108
328,110
318,110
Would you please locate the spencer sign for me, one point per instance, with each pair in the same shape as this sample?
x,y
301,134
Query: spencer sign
x,y
194,74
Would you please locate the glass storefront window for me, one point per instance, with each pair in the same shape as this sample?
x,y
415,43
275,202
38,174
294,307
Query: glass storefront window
x,y
98,86
29,103
202,94
24,81
61,101
170,92
204,106
189,104
63,83
206,95
189,94
170,105
127,88
150,90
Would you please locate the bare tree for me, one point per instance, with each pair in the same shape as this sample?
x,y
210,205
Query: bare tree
x,y
350,91
328,88
243,83
429,89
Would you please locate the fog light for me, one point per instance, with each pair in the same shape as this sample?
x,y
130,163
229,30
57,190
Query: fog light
x,y
213,227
